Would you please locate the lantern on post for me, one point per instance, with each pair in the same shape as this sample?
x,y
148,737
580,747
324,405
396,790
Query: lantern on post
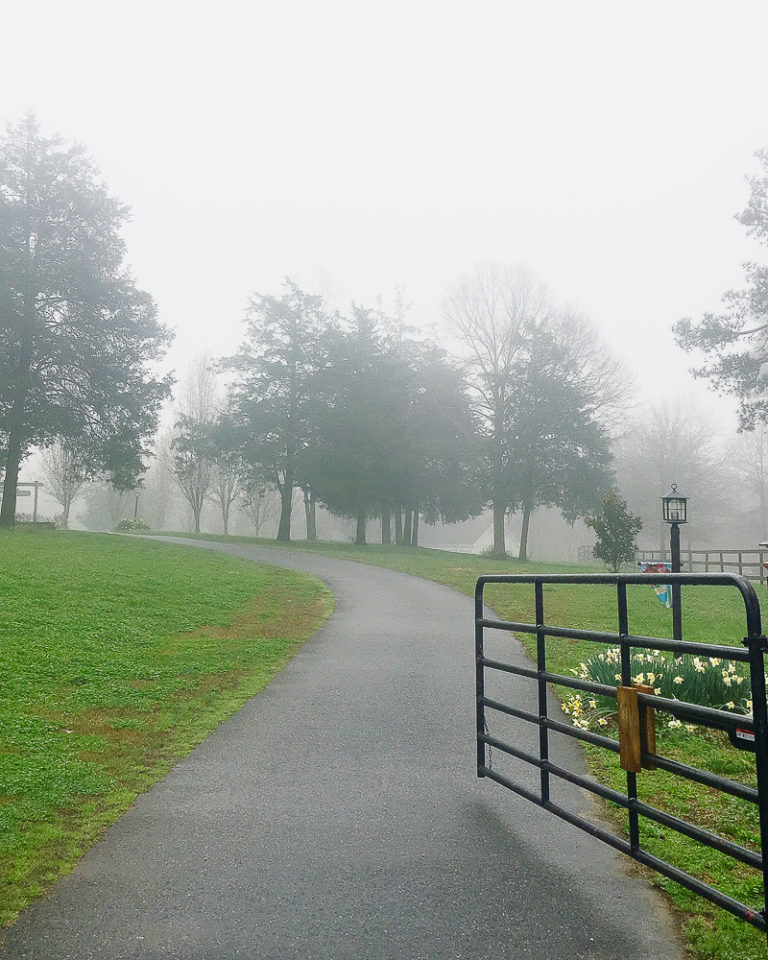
x,y
674,509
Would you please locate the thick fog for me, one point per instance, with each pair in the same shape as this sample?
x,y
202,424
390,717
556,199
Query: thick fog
x,y
362,148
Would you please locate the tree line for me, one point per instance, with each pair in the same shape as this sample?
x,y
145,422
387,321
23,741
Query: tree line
x,y
517,409
355,410
370,420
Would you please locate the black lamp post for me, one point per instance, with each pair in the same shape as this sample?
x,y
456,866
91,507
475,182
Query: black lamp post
x,y
675,511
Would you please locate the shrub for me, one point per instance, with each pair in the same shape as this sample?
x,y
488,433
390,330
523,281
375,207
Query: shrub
x,y
131,524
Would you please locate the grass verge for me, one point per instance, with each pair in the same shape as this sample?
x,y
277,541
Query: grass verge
x,y
120,655
709,615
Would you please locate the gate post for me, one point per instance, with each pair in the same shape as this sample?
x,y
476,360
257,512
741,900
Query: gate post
x,y
756,645
479,677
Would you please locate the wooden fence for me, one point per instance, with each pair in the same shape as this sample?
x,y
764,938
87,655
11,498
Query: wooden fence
x,y
748,563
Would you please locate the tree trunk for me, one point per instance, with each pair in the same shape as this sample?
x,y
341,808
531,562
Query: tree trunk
x,y
196,512
310,513
360,533
527,510
12,463
499,543
286,501
225,518
386,525
407,528
415,528
399,528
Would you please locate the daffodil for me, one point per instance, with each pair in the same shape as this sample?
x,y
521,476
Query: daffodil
x,y
678,680
674,724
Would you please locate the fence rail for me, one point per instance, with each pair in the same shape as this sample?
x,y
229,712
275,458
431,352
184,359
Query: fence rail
x,y
747,563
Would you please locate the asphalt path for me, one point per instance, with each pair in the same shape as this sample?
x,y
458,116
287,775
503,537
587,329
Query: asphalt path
x,y
337,816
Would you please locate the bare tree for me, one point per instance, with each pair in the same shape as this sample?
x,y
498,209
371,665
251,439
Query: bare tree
x,y
547,391
487,311
258,501
159,481
750,452
193,461
63,474
673,442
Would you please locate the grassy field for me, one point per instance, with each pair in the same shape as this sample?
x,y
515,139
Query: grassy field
x,y
118,656
709,615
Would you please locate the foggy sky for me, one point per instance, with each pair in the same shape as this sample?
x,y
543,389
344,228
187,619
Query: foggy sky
x,y
357,145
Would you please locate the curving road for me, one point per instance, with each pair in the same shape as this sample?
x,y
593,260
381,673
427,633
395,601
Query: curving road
x,y
337,816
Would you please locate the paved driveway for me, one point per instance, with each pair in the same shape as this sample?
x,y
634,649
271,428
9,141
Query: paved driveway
x,y
337,817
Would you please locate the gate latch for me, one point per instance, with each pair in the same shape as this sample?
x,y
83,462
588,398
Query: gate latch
x,y
637,728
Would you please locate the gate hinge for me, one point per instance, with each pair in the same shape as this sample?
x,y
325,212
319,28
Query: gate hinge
x,y
762,640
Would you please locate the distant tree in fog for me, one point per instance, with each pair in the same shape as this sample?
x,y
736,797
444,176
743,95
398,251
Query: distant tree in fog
x,y
546,390
229,468
76,335
62,470
360,411
194,448
256,499
440,446
749,465
393,430
734,343
159,483
667,443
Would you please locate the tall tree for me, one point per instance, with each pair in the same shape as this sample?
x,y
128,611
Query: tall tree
x,y
361,414
487,311
734,342
559,451
274,369
76,334
544,387
439,450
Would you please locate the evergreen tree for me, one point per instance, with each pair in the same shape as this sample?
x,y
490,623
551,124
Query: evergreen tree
x,y
76,334
274,369
616,530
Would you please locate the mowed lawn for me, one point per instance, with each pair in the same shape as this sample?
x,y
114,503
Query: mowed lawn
x,y
118,656
710,614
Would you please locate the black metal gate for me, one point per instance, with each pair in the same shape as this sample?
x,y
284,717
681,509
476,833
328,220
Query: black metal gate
x,y
636,708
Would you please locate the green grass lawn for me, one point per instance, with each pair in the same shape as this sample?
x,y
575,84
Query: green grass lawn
x,y
709,615
118,656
